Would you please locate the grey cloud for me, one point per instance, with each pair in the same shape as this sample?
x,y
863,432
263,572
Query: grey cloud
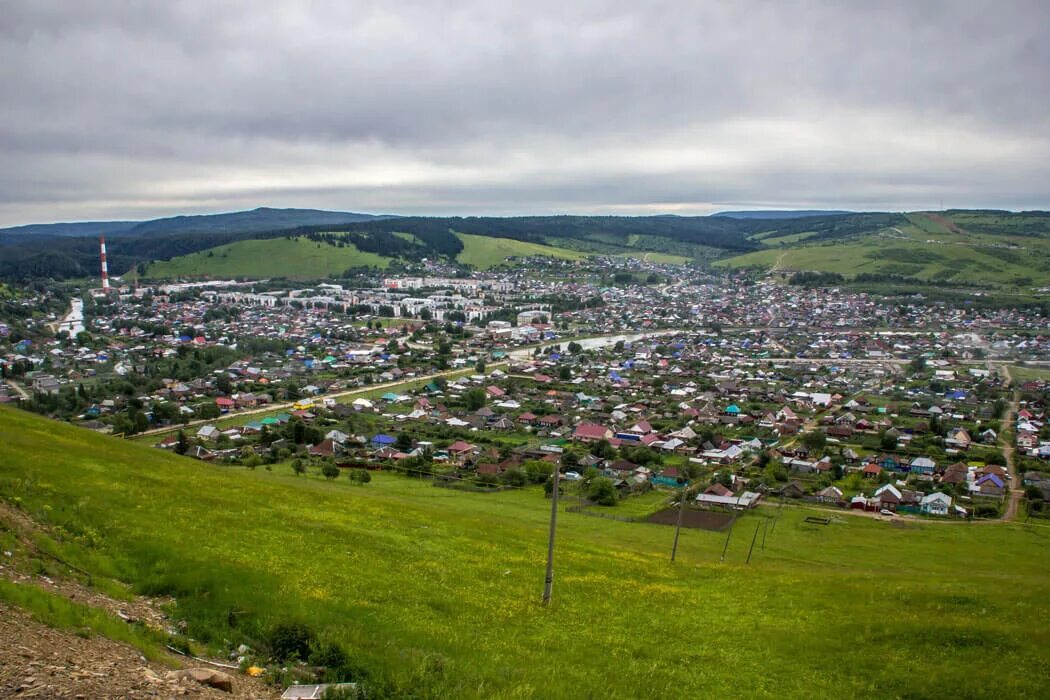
x,y
119,108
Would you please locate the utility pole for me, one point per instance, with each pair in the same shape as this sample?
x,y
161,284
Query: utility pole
x,y
725,547
765,529
681,512
548,583
752,547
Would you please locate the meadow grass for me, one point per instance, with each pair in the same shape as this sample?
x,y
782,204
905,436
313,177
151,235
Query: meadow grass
x,y
439,589
1029,374
659,258
297,258
484,252
923,249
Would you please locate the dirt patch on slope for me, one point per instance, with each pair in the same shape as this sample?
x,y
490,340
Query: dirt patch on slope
x,y
37,661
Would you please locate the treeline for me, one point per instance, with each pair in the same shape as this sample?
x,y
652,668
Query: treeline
x,y
816,279
61,257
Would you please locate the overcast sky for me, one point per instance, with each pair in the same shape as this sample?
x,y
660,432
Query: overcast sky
x,y
136,110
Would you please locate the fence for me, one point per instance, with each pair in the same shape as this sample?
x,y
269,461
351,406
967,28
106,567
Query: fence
x,y
473,488
585,510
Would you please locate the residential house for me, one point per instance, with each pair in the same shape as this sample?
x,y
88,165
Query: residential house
x,y
936,503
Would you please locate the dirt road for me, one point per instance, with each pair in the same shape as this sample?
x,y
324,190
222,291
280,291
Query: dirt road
x,y
270,408
1006,441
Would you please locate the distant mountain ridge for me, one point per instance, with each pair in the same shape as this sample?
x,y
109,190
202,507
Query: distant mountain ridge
x,y
71,229
253,221
782,213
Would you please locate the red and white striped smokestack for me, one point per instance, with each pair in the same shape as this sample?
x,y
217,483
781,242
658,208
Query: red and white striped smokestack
x,y
105,268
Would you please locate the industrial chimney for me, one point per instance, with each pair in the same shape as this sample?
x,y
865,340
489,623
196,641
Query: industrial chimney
x,y
105,269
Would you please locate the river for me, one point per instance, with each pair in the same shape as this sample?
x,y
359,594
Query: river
x,y
74,320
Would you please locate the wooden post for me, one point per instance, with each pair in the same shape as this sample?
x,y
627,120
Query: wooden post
x,y
725,547
752,547
678,525
548,583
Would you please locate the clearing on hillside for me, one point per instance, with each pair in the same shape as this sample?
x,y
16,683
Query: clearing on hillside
x,y
296,258
484,252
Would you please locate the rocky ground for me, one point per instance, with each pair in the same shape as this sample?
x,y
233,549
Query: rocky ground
x,y
37,661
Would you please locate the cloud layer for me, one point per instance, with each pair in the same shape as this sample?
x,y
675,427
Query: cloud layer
x,y
113,109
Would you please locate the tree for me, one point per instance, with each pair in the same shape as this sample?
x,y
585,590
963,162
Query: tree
x,y
329,470
602,492
917,365
537,471
298,431
480,367
206,410
139,421
604,449
815,440
564,373
515,477
360,476
298,467
475,398
404,442
182,445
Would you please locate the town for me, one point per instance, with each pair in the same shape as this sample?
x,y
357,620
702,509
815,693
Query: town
x,y
633,380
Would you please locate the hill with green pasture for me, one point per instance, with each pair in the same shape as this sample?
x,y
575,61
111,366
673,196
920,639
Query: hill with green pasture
x,y
484,252
435,592
993,249
297,258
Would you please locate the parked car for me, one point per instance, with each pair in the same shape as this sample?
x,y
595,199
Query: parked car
x,y
572,476
885,511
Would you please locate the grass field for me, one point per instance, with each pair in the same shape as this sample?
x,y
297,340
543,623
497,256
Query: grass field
x,y
1029,374
484,252
438,589
664,258
298,258
925,249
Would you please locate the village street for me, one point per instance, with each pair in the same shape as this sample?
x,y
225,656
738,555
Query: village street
x,y
1006,439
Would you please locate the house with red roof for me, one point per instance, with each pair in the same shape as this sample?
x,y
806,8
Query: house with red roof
x,y
460,451
591,432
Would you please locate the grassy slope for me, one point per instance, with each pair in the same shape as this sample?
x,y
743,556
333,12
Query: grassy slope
x,y
660,258
484,252
297,258
413,577
924,249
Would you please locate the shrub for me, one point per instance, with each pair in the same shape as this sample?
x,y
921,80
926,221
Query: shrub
x,y
289,640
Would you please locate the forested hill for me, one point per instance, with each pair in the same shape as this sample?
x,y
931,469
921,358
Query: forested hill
x,y
255,221
64,256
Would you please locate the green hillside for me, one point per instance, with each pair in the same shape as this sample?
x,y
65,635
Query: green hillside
x,y
271,257
484,252
437,590
996,250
